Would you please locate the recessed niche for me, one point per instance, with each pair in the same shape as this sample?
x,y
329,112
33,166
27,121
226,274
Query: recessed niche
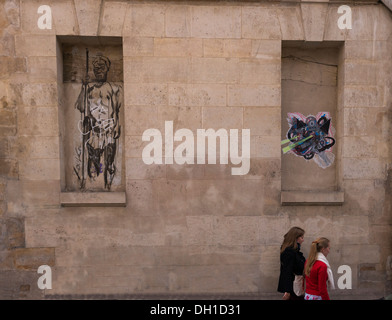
x,y
91,114
309,120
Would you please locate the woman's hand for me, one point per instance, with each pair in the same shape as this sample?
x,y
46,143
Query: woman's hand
x,y
286,296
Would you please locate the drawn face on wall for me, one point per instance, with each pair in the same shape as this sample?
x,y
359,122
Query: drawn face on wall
x,y
101,67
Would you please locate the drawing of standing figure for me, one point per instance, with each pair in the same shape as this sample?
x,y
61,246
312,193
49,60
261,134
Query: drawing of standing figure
x,y
99,103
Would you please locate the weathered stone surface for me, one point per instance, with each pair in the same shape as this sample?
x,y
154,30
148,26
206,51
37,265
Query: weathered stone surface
x,y
138,46
314,17
32,258
38,121
195,230
65,21
19,285
112,19
39,169
256,71
254,116
332,32
190,95
360,73
10,65
12,234
39,95
144,22
7,117
254,95
95,199
140,118
42,69
363,96
312,198
9,168
29,18
216,22
38,147
178,47
35,45
364,25
139,94
178,21
157,70
291,23
215,70
363,168
27,195
88,16
227,47
255,20
215,118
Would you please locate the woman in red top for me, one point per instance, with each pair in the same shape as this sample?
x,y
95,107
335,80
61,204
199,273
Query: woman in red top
x,y
317,271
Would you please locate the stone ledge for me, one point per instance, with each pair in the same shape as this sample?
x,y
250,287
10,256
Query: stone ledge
x,y
167,296
93,199
310,198
32,258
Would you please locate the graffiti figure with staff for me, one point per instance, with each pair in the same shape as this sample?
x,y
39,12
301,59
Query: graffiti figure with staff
x,y
99,103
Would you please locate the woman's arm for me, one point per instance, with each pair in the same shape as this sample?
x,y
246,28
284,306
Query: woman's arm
x,y
322,282
286,274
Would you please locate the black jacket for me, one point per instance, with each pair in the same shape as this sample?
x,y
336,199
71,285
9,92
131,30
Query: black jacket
x,y
292,262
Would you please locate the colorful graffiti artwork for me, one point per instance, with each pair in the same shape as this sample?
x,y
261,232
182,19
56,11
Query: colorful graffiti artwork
x,y
311,137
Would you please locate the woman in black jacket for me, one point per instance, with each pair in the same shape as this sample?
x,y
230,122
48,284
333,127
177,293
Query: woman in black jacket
x,y
292,262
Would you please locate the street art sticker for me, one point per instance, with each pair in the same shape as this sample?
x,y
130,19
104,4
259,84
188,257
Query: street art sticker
x,y
98,104
311,137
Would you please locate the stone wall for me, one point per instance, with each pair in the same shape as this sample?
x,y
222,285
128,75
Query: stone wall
x,y
192,229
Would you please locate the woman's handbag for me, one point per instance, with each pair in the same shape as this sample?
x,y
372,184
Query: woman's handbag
x,y
298,285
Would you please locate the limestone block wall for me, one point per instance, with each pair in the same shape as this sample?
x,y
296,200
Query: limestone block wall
x,y
192,229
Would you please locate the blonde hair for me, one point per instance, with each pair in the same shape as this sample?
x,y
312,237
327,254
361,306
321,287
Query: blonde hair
x,y
290,238
315,248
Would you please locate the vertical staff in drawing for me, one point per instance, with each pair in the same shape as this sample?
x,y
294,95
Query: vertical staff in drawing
x,y
85,83
99,104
